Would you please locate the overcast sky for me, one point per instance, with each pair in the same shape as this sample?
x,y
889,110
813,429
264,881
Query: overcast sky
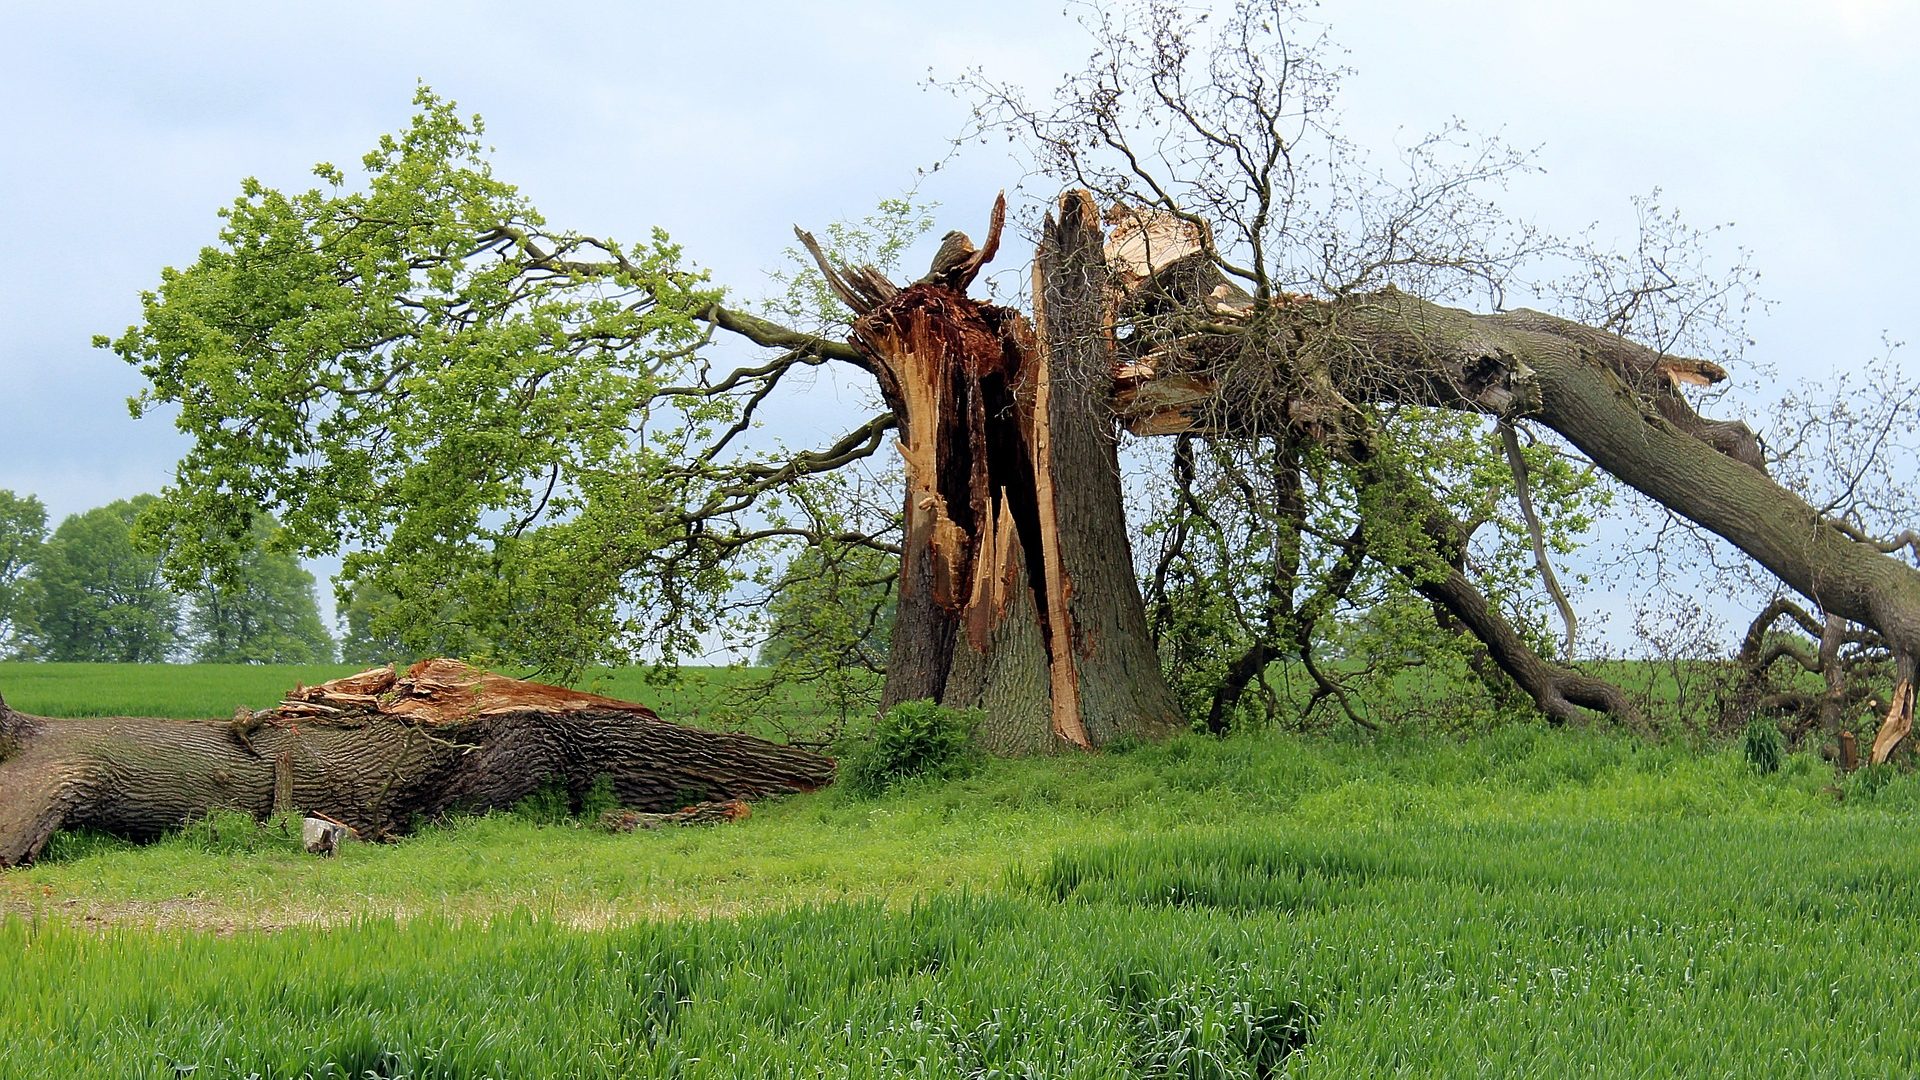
x,y
126,125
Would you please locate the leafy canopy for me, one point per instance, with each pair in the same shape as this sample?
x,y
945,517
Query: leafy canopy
x,y
101,597
262,613
477,409
23,530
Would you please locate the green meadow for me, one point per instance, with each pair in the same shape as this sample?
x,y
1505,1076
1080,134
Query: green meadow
x,y
1525,902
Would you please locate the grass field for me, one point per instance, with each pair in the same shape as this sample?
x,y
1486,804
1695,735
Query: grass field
x,y
1522,903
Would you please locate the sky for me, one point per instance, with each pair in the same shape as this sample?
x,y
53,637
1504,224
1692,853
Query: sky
x,y
127,125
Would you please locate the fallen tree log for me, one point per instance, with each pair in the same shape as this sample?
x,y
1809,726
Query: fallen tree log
x,y
375,751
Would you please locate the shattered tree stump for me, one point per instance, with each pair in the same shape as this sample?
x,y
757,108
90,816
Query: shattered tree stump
x,y
372,751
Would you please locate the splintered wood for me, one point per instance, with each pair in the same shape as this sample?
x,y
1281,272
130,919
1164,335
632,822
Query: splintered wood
x,y
1003,432
1149,398
434,692
919,340
1144,242
997,572
1896,726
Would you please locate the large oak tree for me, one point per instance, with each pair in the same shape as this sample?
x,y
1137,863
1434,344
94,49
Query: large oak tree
x,y
536,432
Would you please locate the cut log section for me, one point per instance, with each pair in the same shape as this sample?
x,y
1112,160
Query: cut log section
x,y
374,751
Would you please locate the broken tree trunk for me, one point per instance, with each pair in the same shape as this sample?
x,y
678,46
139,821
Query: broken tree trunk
x,y
1017,590
375,751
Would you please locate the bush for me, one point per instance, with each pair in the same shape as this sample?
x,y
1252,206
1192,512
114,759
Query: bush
x,y
914,738
545,805
1763,744
236,832
553,804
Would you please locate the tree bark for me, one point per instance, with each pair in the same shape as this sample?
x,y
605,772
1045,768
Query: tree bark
x,y
376,751
1017,589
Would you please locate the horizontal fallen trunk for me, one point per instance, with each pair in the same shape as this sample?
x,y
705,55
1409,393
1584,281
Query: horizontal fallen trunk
x,y
1205,357
376,751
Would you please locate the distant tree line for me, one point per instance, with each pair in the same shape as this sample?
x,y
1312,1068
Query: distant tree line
x,y
91,591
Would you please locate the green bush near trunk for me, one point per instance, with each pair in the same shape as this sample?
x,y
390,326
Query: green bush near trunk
x,y
912,739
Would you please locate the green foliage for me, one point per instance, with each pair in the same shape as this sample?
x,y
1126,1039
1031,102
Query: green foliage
x,y
374,621
829,624
549,804
912,739
834,606
1225,1025
74,845
554,803
431,379
598,799
262,611
101,596
231,832
23,531
1763,745
878,240
1287,585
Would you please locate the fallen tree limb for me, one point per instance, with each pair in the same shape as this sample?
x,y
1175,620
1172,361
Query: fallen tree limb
x,y
376,751
1204,357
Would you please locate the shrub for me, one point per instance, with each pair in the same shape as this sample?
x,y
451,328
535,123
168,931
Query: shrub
x,y
914,738
1763,744
598,799
236,832
547,804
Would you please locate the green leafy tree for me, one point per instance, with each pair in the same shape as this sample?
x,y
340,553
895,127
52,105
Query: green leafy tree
x,y
23,531
515,425
372,623
833,606
101,597
525,427
362,641
829,625
263,612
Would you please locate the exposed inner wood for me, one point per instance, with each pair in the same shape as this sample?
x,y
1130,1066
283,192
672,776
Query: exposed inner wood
x,y
1897,725
1057,588
974,388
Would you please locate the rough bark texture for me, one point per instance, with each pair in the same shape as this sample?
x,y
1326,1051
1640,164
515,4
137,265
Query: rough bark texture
x,y
374,751
1017,591
1119,686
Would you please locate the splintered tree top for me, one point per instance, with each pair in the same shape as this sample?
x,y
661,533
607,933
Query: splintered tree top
x,y
438,692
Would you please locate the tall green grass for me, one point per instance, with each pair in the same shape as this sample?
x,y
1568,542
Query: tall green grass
x,y
1523,903
1706,947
